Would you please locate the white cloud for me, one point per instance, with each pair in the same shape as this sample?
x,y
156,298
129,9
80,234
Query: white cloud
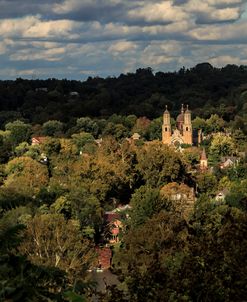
x,y
229,32
158,12
35,27
162,34
27,54
209,12
221,61
226,14
122,46
16,27
46,29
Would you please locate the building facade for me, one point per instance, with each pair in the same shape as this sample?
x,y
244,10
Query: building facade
x,y
183,132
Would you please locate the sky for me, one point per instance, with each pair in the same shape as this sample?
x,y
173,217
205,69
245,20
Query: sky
x,y
75,39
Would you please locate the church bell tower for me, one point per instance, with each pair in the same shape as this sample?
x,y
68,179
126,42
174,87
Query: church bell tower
x,y
166,128
187,127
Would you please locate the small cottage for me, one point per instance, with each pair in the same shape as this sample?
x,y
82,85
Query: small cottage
x,y
221,195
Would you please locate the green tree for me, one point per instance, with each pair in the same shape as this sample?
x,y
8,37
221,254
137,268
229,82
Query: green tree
x,y
221,145
53,128
26,176
51,241
155,129
159,164
206,183
19,132
21,280
199,123
238,195
81,139
86,124
86,208
215,124
51,146
145,202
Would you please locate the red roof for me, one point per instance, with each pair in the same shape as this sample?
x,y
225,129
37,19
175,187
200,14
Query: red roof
x,y
38,139
111,216
115,231
104,258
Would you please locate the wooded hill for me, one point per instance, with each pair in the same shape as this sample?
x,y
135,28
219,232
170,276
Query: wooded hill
x,y
206,89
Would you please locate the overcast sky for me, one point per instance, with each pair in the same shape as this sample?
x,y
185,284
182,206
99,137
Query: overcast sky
x,y
79,38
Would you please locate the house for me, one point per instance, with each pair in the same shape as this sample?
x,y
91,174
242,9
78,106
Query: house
x,y
113,223
74,93
122,208
229,161
221,195
181,196
135,136
99,141
44,89
113,226
38,140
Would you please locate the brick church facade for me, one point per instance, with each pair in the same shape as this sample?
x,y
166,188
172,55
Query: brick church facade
x,y
183,134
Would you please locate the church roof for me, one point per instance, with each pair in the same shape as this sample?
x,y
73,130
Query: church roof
x,y
180,117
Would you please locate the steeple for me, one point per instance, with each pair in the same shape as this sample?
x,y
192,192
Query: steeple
x,y
203,161
166,127
187,127
182,109
166,117
187,116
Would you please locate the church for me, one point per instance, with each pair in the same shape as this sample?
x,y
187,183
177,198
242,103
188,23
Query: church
x,y
183,134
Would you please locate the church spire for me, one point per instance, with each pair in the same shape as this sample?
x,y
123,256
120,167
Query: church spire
x,y
166,127
203,161
166,119
203,155
182,108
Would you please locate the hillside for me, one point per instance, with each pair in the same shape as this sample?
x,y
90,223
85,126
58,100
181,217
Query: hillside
x,y
206,89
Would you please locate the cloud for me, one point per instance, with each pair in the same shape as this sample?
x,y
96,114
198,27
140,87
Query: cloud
x,y
52,54
214,11
18,9
221,61
230,33
122,46
163,12
75,38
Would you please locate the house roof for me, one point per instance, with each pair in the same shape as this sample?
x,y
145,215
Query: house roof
x,y
135,136
121,208
229,158
111,216
224,192
39,139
